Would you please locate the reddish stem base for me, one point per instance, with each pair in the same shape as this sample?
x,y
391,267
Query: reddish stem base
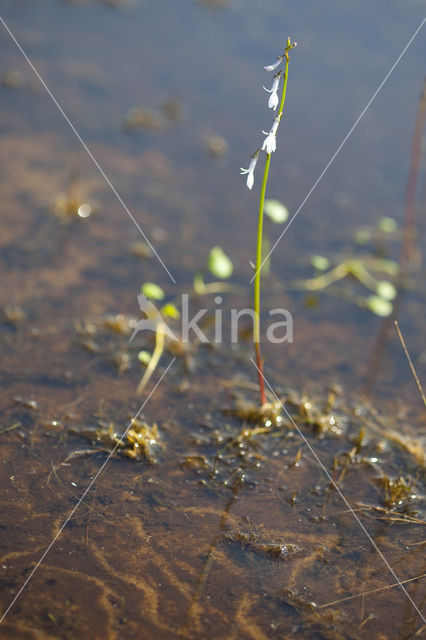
x,y
260,375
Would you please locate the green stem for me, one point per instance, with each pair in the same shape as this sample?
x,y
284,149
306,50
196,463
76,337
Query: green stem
x,y
360,273
256,328
326,279
201,288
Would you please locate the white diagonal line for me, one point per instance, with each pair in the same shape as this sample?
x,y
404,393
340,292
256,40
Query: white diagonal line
x,y
86,148
101,468
339,148
376,548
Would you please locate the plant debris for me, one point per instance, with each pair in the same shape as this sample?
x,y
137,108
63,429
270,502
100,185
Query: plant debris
x,y
252,540
137,443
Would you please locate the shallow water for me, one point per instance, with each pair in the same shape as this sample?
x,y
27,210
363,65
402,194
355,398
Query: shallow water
x,y
196,545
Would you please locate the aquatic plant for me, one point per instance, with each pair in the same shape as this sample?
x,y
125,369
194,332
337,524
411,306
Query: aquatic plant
x,y
370,267
366,270
269,146
220,266
276,213
138,442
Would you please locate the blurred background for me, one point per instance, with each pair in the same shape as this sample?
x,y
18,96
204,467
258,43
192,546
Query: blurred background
x,y
168,97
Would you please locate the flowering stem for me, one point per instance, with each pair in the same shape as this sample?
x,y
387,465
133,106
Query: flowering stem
x,y
256,329
257,282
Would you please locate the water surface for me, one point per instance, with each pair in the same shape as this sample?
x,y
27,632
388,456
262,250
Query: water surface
x,y
174,548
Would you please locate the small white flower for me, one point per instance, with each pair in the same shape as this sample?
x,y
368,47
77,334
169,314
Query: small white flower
x,y
250,170
270,142
273,66
273,98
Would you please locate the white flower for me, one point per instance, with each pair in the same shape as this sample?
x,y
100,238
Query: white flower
x,y
273,66
273,98
270,142
250,170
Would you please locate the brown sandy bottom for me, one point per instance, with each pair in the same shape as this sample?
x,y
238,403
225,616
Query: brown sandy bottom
x,y
231,530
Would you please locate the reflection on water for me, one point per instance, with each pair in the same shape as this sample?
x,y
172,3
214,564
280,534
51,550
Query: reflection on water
x,y
222,537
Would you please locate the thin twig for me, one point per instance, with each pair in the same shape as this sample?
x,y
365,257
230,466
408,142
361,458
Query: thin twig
x,y
410,362
14,426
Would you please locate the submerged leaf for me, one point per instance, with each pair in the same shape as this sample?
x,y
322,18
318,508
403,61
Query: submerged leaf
x,y
219,264
276,211
387,224
379,306
144,357
320,262
170,310
363,235
152,291
386,290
